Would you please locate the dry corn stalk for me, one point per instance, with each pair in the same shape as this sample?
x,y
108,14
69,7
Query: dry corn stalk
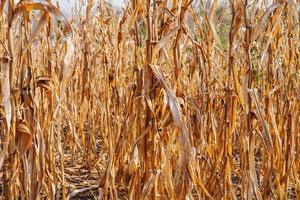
x,y
175,99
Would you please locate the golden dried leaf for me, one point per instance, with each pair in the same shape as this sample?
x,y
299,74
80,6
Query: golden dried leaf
x,y
44,82
238,88
23,136
134,161
5,86
149,184
265,134
48,8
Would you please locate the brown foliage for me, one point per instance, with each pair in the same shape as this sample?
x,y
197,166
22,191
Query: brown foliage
x,y
150,104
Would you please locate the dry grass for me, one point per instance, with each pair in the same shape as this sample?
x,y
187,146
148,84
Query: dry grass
x,y
165,101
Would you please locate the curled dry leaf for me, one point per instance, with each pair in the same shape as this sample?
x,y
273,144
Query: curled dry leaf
x,y
192,165
23,136
67,69
163,41
208,149
40,25
239,88
149,184
173,103
44,82
262,21
134,161
47,7
177,118
265,134
210,9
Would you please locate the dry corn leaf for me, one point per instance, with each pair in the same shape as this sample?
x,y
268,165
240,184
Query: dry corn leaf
x,y
173,103
210,11
45,6
163,42
23,136
252,173
177,118
5,86
40,25
262,21
266,137
149,184
238,88
67,68
206,147
134,161
196,180
44,82
88,10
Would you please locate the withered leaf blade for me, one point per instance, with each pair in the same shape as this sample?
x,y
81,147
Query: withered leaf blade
x,y
44,82
163,41
23,136
149,184
48,8
177,118
265,134
38,28
259,26
67,69
173,103
238,88
5,86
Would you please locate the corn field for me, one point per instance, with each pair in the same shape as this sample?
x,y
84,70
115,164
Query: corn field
x,y
164,99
